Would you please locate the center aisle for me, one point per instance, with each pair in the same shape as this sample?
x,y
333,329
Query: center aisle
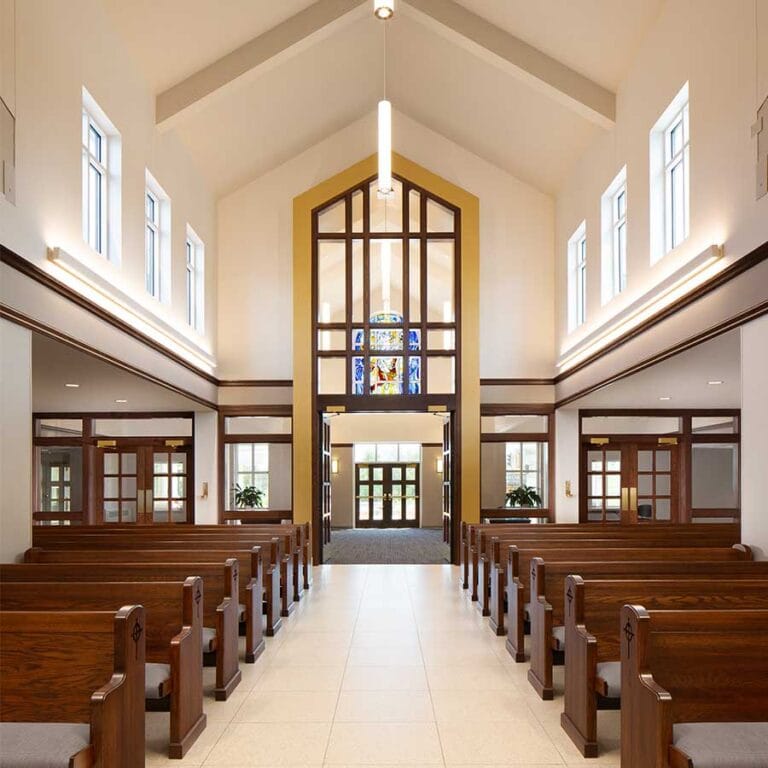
x,y
383,665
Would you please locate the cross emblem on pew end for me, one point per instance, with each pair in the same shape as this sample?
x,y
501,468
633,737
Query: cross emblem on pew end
x,y
136,634
569,596
630,635
198,596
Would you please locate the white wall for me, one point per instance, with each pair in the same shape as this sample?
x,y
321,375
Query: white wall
x,y
15,441
206,468
711,44
62,47
567,464
255,247
754,428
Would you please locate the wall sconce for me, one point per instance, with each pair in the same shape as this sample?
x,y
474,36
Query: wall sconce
x,y
334,466
439,465
204,491
568,491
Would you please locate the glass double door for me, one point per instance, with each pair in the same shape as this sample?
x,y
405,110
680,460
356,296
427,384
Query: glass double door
x,y
143,484
630,482
387,495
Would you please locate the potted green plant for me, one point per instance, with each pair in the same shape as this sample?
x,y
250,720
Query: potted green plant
x,y
248,497
523,496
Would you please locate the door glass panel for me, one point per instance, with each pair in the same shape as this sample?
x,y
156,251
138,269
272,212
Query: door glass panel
x,y
161,463
129,487
111,511
644,484
645,461
178,512
128,462
364,490
397,490
129,512
645,509
178,463
595,485
594,461
378,509
378,473
663,509
663,485
613,461
410,473
410,509
160,488
410,490
111,488
111,463
363,473
178,487
397,509
378,491
160,512
612,485
663,461
364,506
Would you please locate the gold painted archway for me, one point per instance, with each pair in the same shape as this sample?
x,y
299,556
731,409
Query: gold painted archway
x,y
303,416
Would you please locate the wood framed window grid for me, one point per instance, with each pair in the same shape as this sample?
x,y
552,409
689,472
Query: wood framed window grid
x,y
544,438
344,334
105,486
648,477
227,439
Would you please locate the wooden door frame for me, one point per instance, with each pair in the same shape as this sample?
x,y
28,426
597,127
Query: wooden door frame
x,y
387,520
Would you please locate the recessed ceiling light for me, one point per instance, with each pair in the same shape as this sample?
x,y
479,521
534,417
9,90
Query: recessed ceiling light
x,y
715,381
72,386
665,398
384,9
121,401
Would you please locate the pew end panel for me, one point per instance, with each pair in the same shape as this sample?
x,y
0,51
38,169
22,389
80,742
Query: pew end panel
x,y
515,617
254,601
228,673
64,681
540,672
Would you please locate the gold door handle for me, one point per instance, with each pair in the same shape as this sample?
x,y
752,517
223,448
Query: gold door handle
x,y
633,499
625,499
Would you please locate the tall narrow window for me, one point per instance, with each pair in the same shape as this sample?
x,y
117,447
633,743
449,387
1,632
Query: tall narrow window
x,y
619,214
670,177
101,158
152,244
195,280
676,179
94,184
577,278
157,240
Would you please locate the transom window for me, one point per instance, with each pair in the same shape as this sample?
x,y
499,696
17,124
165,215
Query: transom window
x,y
195,279
577,277
387,453
385,291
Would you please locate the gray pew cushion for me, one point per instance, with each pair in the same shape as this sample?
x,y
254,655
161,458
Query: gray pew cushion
x,y
41,745
155,675
723,745
558,635
610,671
241,611
209,639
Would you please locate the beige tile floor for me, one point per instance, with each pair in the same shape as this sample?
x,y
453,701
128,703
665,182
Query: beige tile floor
x,y
386,665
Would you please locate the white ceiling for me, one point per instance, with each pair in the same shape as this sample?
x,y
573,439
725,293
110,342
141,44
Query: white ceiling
x,y
54,365
283,109
683,378
597,38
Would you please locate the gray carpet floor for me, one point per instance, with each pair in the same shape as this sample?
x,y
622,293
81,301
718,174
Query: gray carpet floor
x,y
388,545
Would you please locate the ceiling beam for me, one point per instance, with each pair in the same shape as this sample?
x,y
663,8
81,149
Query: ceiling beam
x,y
541,71
285,39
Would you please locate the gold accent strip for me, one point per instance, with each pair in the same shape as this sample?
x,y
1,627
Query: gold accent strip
x,y
625,499
173,443
599,440
106,443
667,441
633,499
336,409
437,409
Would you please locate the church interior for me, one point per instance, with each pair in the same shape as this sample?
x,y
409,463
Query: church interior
x,y
383,383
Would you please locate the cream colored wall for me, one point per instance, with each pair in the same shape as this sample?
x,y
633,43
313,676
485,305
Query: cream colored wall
x,y
754,428
431,489
15,441
387,427
62,47
255,248
711,44
206,467
343,489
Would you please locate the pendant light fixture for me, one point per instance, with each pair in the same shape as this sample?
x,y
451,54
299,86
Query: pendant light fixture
x,y
384,10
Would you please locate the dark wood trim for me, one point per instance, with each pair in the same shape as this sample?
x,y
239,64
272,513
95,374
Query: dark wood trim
x,y
30,270
279,409
732,271
513,409
717,330
255,382
517,382
19,318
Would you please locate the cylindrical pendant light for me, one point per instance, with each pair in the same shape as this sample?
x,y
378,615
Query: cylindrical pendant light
x,y
384,9
385,149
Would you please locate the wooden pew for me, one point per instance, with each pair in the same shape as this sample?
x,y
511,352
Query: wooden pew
x,y
298,543
490,549
521,571
220,606
257,584
72,686
592,608
727,533
694,688
173,637
129,540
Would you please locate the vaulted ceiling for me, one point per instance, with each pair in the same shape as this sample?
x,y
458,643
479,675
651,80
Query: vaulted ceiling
x,y
248,84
